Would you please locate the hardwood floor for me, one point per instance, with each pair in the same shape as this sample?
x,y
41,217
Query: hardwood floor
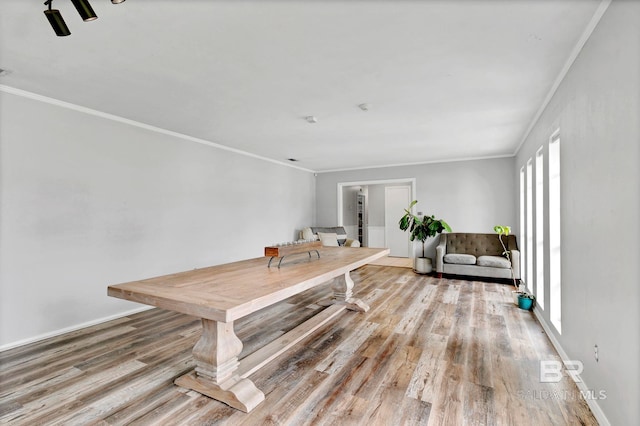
x,y
430,351
400,262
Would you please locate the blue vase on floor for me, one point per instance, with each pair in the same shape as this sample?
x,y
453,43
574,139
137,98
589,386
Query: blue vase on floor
x,y
525,303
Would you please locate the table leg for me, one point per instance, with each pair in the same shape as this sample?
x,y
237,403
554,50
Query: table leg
x,y
216,375
342,287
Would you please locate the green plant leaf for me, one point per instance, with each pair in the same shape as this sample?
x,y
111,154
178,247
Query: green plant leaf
x,y
421,229
502,229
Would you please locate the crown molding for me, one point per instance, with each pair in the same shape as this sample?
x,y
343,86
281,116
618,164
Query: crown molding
x,y
112,117
449,160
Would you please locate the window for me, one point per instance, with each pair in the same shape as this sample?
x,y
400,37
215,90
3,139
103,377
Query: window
x,y
539,288
529,228
540,220
523,251
554,233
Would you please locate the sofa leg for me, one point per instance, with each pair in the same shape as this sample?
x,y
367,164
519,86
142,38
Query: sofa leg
x,y
439,274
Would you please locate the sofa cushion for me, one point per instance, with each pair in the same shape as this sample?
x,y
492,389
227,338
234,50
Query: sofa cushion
x,y
460,259
328,239
338,230
494,262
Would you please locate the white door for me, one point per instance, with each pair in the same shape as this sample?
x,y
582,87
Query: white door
x,y
396,199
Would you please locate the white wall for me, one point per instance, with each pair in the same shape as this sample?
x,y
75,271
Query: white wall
x,y
349,217
87,202
472,196
597,111
376,225
376,205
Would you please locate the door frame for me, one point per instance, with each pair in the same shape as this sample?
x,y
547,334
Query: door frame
x,y
410,181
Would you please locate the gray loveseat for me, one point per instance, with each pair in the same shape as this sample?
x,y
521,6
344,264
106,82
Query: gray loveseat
x,y
478,255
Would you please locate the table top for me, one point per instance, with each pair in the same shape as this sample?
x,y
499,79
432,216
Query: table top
x,y
233,290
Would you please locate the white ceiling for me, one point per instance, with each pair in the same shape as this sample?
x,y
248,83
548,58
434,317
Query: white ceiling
x,y
444,80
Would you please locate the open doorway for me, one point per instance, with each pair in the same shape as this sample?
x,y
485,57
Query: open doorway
x,y
380,203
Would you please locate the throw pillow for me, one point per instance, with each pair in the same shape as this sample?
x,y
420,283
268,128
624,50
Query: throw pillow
x,y
328,239
307,234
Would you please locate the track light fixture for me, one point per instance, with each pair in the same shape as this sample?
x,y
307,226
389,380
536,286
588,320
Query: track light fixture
x,y
85,10
82,6
56,21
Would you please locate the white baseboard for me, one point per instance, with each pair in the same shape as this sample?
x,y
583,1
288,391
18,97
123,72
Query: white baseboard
x,y
582,387
72,328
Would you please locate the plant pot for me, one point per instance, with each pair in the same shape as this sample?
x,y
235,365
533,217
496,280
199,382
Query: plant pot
x,y
422,265
525,303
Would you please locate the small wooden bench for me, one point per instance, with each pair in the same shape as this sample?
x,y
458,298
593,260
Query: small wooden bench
x,y
222,294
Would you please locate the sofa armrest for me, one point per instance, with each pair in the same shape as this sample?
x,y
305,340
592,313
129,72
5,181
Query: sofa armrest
x,y
441,250
515,263
351,243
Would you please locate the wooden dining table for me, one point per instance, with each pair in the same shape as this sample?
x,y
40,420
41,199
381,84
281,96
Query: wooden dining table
x,y
222,294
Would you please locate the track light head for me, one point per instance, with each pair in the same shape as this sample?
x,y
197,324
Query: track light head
x,y
85,10
82,6
56,21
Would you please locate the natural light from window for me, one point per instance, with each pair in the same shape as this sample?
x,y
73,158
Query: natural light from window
x,y
529,232
540,229
523,251
555,290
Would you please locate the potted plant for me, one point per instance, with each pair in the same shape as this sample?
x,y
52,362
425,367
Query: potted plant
x,y
421,229
506,230
526,301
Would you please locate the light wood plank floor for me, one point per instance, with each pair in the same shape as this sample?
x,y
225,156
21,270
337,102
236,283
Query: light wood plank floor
x,y
401,262
430,351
